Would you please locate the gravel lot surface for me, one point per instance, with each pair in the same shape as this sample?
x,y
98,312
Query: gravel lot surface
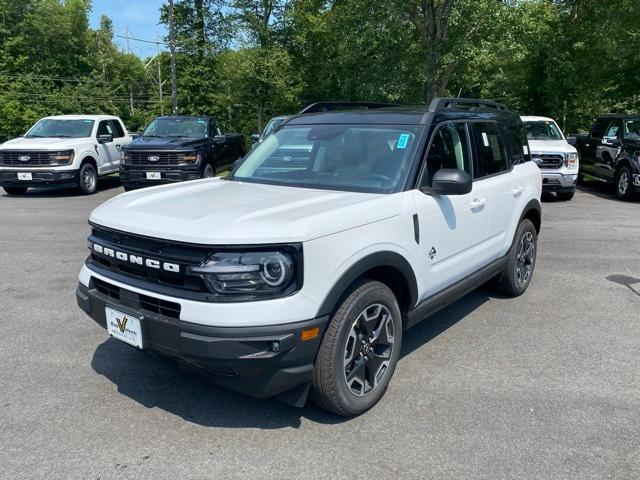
x,y
544,386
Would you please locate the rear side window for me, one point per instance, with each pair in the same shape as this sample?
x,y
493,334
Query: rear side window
x,y
117,126
449,149
600,127
491,154
105,128
614,130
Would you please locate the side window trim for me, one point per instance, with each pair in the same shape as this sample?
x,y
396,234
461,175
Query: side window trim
x,y
470,151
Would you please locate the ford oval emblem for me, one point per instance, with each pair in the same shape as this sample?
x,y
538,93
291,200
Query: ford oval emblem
x,y
153,158
24,158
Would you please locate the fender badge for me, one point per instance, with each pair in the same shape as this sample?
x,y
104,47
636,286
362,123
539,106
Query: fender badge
x,y
432,253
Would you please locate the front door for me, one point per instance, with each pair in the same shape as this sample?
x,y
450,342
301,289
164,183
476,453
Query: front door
x,y
608,149
108,152
453,228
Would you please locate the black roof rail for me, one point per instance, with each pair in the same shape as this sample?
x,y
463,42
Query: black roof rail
x,y
439,104
331,106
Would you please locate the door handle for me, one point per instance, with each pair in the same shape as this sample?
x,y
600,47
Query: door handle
x,y
517,191
478,204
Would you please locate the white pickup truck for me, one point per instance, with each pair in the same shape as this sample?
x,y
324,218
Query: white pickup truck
x,y
71,150
557,159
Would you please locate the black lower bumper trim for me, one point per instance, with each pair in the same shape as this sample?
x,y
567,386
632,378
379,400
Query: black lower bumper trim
x,y
137,178
547,188
9,178
257,361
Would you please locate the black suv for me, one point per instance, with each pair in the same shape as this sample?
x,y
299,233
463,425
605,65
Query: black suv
x,y
611,152
178,148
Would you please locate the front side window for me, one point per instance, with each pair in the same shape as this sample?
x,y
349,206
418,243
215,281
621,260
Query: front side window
x,y
543,130
105,128
614,130
449,149
177,127
491,155
360,158
632,128
599,128
61,128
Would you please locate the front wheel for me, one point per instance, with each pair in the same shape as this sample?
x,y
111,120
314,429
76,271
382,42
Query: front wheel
x,y
521,260
209,171
624,190
359,351
88,179
16,190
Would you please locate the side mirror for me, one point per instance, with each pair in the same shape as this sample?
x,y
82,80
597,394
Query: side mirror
x,y
538,161
255,138
573,141
220,138
106,138
612,141
450,182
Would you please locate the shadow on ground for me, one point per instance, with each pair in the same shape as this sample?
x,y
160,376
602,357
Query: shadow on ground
x,y
104,184
603,190
631,283
158,383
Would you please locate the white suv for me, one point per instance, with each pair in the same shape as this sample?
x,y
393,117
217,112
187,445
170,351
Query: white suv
x,y
69,150
303,270
553,154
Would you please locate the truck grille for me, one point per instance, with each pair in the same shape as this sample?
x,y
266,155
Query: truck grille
x,y
35,159
144,302
551,160
159,158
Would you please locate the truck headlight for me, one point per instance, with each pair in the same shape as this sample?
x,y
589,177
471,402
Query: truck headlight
x,y
61,158
191,157
124,157
572,161
251,275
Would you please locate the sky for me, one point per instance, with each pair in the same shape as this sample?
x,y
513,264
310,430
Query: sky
x,y
140,16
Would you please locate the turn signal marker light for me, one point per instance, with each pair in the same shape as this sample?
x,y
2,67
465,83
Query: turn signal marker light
x,y
309,334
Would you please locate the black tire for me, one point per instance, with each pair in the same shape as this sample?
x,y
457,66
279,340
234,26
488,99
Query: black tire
x,y
513,281
16,190
623,185
88,179
209,171
566,196
374,359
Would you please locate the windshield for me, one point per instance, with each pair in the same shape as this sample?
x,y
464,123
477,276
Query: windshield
x,y
177,127
632,128
543,130
358,158
271,126
59,128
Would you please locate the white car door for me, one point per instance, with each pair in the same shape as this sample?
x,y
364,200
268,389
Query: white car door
x,y
453,228
108,152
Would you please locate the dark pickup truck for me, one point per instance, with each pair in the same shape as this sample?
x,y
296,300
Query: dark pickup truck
x,y
611,152
178,148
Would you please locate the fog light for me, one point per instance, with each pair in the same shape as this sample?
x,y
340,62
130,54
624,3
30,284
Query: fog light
x,y
309,334
571,178
275,347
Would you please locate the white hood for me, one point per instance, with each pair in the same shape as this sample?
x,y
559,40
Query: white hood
x,y
550,146
220,212
52,144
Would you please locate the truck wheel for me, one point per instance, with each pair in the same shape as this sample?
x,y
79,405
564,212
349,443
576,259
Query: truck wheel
x,y
88,179
623,184
566,196
516,277
359,351
209,171
16,190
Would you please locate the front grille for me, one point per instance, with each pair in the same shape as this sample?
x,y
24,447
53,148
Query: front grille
x,y
138,301
551,160
163,158
36,159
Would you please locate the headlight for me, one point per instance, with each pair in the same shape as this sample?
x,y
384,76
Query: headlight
x,y
124,157
572,160
251,275
61,158
191,157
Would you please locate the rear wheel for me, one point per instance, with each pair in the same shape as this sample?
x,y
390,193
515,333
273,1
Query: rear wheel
x,y
88,179
359,351
624,190
521,261
16,190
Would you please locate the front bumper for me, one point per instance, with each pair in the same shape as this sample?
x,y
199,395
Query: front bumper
x,y
9,178
136,177
244,359
558,182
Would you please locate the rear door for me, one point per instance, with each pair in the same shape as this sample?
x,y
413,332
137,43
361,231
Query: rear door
x,y
453,229
590,146
608,149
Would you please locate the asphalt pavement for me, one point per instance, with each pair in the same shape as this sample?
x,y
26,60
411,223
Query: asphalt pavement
x,y
545,386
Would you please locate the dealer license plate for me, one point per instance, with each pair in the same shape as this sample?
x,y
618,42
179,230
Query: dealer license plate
x,y
124,327
25,176
154,176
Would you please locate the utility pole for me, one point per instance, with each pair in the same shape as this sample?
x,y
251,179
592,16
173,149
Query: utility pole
x,y
160,82
172,50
